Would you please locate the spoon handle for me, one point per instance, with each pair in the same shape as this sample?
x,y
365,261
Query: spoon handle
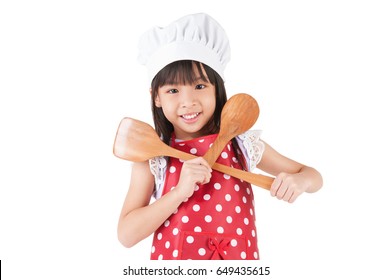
x,y
255,179
213,153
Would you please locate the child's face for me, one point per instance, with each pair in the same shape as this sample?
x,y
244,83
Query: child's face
x,y
188,107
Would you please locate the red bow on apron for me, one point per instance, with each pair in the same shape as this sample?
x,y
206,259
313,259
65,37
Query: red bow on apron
x,y
219,248
217,222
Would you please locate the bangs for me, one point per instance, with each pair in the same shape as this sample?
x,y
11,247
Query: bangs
x,y
184,72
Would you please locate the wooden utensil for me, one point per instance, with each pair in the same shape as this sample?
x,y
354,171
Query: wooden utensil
x,y
238,115
133,135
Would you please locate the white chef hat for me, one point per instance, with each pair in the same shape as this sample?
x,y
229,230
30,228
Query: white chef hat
x,y
193,37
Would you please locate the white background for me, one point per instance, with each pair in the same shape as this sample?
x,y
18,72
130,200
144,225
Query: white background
x,y
320,70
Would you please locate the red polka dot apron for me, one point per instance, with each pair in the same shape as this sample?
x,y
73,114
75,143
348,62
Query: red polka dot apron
x,y
217,222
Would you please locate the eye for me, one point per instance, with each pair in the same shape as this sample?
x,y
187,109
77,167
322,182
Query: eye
x,y
172,91
200,86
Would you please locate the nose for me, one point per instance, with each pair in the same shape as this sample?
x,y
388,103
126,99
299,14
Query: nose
x,y
188,98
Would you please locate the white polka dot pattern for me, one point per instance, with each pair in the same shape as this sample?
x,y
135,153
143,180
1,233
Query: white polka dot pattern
x,y
202,251
190,239
172,169
216,222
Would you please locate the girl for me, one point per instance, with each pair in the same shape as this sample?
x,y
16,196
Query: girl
x,y
199,213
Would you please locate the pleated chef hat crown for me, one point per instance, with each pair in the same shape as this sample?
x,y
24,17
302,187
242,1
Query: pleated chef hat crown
x,y
193,37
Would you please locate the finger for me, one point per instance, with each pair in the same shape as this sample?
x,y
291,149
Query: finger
x,y
200,169
207,177
293,197
201,161
275,185
203,180
281,191
287,196
199,174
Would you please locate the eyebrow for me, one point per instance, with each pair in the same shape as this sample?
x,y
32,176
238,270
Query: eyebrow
x,y
197,80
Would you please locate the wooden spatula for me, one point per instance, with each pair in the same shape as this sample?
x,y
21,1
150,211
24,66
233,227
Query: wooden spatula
x,y
238,115
137,141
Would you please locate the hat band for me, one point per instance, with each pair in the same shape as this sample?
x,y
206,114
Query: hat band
x,y
183,51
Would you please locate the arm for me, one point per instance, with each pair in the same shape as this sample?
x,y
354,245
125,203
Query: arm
x,y
292,178
138,218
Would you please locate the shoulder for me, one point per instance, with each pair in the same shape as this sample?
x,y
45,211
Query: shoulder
x,y
250,136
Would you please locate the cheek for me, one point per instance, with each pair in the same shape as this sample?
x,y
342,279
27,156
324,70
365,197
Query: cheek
x,y
210,104
168,109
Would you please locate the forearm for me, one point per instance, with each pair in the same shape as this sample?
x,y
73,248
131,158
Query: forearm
x,y
142,222
314,180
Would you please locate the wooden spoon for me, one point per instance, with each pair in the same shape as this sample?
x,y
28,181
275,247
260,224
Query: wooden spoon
x,y
238,115
137,141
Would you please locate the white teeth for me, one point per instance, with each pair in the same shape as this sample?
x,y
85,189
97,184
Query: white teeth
x,y
191,116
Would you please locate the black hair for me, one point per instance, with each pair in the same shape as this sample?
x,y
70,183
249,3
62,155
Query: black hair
x,y
183,72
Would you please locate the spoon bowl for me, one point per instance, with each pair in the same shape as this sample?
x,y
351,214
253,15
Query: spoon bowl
x,y
238,115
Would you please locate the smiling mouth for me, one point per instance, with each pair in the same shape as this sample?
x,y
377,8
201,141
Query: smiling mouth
x,y
190,116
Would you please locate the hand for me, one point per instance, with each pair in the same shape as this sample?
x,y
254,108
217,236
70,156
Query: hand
x,y
193,172
288,186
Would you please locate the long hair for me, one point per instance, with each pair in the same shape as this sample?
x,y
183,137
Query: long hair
x,y
183,72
